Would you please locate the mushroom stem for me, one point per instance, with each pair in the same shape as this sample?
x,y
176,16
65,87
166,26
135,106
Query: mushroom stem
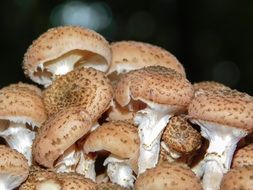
x,y
86,166
222,144
119,172
151,122
20,138
9,182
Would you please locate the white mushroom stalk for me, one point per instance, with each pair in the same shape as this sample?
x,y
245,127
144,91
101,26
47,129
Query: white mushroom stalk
x,y
119,171
217,161
9,182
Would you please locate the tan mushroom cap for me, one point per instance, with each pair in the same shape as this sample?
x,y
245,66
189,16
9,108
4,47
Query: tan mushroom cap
x,y
238,178
118,137
225,107
168,177
58,133
131,55
109,186
84,87
60,43
243,157
180,136
209,85
155,84
21,103
13,166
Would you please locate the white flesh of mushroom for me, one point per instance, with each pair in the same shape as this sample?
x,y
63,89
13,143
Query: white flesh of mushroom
x,y
9,182
171,154
48,185
222,144
119,171
20,138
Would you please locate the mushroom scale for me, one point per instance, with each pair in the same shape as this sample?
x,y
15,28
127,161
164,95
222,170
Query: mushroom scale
x,y
165,93
85,87
243,157
225,117
62,49
14,168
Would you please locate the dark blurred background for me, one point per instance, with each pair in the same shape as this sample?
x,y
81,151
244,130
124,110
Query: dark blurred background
x,y
213,39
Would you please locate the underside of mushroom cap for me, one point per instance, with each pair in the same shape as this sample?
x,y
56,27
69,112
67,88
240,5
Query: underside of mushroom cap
x,y
226,107
243,157
58,133
85,87
61,49
167,177
118,137
155,84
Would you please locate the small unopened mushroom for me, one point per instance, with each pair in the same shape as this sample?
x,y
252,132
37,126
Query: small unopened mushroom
x,y
225,117
179,138
21,111
240,178
62,49
55,143
168,176
164,93
243,157
14,168
121,140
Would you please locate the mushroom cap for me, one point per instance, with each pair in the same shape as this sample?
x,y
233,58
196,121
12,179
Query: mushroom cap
x,y
209,85
60,41
243,157
58,133
109,186
173,176
84,87
180,136
155,84
131,55
13,166
238,178
22,103
225,107
118,137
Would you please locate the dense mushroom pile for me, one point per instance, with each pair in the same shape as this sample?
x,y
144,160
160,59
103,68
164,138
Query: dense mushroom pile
x,y
119,116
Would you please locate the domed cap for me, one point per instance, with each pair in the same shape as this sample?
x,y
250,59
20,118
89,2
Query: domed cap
x,y
180,136
14,168
61,49
238,178
168,177
58,133
131,55
226,107
209,85
118,137
243,157
155,84
84,87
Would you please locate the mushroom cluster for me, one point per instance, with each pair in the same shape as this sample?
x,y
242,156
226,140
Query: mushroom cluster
x,y
119,115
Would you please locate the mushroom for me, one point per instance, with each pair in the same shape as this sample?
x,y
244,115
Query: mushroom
x,y
225,117
168,176
62,49
121,140
109,186
209,85
55,144
21,111
238,178
179,139
243,157
164,93
14,168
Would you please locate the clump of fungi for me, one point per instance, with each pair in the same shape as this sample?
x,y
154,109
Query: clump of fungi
x,y
119,116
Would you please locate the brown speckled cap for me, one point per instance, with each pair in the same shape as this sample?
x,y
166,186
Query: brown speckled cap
x,y
243,157
13,167
58,133
209,85
130,55
84,87
58,45
109,186
180,136
226,107
238,179
118,137
154,84
22,103
168,177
